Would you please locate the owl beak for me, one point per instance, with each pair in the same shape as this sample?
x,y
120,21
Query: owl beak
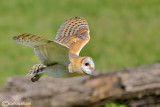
x,y
92,69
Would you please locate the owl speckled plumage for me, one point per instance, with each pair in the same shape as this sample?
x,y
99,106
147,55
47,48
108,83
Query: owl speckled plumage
x,y
60,58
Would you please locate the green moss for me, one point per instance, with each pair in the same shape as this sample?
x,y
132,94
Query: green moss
x,y
115,105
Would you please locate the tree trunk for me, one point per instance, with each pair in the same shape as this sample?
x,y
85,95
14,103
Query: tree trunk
x,y
135,87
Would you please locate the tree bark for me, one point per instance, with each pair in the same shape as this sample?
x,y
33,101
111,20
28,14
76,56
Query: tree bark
x,y
135,87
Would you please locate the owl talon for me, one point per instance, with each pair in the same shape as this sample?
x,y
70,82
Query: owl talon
x,y
35,78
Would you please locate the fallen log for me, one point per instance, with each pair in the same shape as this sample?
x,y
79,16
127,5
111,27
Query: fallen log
x,y
134,87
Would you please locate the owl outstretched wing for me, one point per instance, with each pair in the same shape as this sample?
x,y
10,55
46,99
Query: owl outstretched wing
x,y
74,33
49,52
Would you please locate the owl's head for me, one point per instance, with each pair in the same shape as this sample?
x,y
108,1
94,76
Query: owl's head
x,y
87,65
82,65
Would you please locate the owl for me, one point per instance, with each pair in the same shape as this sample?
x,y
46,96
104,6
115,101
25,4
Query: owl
x,y
60,57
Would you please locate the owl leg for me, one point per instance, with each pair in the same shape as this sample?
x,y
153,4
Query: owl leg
x,y
37,70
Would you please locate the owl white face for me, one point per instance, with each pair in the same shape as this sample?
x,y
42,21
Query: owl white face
x,y
87,65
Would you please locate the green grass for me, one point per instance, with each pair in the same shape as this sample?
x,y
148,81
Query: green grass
x,y
123,32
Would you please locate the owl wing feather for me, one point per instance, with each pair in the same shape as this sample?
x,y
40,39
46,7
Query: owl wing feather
x,y
48,51
73,33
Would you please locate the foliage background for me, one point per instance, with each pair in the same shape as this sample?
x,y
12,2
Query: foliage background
x,y
123,32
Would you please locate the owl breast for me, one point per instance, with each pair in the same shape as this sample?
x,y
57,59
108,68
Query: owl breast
x,y
60,71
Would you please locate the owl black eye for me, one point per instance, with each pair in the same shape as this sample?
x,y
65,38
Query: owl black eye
x,y
86,64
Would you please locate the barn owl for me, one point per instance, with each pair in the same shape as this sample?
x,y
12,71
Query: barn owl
x,y
60,57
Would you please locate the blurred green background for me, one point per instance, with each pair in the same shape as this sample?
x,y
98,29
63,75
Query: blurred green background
x,y
123,33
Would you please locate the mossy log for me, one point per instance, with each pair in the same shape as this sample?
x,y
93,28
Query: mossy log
x,y
135,87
